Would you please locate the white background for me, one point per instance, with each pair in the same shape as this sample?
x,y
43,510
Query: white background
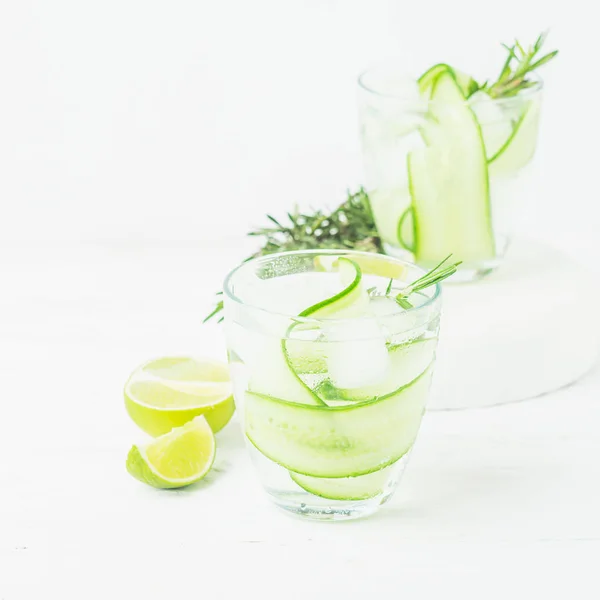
x,y
139,140
186,120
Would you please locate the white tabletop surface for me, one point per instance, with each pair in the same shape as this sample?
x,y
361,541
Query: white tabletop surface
x,y
500,502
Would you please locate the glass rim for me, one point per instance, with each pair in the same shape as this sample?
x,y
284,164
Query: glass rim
x,y
227,291
532,91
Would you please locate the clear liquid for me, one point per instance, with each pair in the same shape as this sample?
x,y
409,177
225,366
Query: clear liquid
x,y
333,465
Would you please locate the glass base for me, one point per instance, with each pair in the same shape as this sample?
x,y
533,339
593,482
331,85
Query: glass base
x,y
466,273
300,505
290,497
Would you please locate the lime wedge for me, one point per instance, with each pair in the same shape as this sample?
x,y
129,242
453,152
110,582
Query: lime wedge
x,y
179,458
377,264
169,392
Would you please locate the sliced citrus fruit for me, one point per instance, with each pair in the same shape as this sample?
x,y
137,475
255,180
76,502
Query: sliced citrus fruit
x,y
370,264
179,458
168,392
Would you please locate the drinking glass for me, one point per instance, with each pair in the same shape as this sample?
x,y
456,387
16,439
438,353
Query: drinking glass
x,y
331,396
445,175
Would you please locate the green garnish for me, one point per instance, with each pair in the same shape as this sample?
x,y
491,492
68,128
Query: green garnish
x,y
436,275
217,309
519,63
350,225
403,302
358,206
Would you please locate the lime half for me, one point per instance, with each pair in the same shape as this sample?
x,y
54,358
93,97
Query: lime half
x,y
179,458
169,392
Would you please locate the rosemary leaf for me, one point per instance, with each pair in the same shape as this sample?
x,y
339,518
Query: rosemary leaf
x,y
389,287
218,308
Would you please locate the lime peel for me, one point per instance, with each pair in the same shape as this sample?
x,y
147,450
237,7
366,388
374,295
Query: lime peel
x,y
168,392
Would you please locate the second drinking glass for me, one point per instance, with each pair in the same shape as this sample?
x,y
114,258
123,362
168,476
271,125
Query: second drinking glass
x,y
444,165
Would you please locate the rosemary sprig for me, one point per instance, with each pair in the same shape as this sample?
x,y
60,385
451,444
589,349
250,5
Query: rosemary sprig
x,y
350,225
436,275
519,63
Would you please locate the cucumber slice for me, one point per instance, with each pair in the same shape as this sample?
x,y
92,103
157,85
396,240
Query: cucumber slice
x,y
347,488
428,78
407,362
323,441
406,230
283,360
448,181
310,357
519,148
389,205
306,357
466,83
496,124
349,302
271,373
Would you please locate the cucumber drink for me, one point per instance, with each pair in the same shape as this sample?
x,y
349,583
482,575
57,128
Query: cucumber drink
x,y
331,356
445,160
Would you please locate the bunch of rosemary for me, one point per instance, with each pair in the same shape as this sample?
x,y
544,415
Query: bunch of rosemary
x,y
351,225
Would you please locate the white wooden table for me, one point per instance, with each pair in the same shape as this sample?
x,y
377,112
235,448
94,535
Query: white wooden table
x,y
501,502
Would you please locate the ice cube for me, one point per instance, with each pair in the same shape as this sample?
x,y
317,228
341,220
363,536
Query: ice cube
x,y
397,324
357,355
